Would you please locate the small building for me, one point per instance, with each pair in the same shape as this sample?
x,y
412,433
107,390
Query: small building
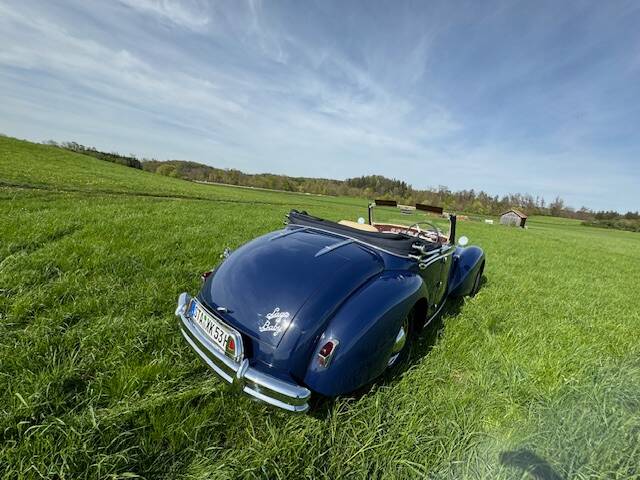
x,y
406,209
513,217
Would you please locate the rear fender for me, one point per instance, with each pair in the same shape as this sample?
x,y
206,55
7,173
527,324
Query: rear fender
x,y
467,263
365,326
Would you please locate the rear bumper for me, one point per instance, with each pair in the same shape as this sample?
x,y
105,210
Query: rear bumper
x,y
251,381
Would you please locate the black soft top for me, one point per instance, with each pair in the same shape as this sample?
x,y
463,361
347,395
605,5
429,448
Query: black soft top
x,y
398,243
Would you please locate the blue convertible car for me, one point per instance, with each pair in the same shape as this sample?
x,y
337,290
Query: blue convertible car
x,y
324,307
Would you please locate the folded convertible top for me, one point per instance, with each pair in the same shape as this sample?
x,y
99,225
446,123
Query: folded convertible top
x,y
399,243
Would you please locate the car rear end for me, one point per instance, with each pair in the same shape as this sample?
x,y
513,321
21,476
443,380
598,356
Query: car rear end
x,y
259,315
222,348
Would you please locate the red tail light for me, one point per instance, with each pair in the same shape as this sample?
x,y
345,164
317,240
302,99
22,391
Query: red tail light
x,y
231,345
205,275
326,352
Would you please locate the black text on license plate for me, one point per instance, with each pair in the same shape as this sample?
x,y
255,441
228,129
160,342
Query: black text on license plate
x,y
211,327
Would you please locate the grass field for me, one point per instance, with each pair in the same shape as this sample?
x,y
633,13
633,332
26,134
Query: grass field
x,y
539,373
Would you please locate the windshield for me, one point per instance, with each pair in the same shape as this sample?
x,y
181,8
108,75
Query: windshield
x,y
407,216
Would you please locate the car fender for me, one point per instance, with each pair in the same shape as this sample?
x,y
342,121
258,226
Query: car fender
x,y
365,327
467,263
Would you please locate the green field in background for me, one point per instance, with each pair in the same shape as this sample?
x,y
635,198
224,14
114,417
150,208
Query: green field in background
x,y
542,367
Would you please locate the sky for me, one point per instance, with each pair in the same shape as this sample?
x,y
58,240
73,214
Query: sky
x,y
538,97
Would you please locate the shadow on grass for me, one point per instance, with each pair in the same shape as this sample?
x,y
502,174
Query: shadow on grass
x,y
536,467
420,346
422,343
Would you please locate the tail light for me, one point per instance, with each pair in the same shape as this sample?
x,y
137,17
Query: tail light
x,y
231,346
326,352
205,275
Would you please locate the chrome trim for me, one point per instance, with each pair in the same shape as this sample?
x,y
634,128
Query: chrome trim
x,y
183,301
288,231
431,260
401,339
424,251
251,381
430,319
399,343
329,357
330,248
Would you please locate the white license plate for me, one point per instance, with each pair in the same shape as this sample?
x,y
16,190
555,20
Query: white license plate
x,y
212,327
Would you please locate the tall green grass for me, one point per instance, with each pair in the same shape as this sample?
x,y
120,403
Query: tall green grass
x,y
539,373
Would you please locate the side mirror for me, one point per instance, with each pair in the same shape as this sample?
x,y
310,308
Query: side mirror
x,y
462,241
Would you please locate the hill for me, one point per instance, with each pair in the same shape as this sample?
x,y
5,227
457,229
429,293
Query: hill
x,y
368,186
538,373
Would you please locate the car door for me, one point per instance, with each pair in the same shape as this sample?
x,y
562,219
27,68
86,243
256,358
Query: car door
x,y
446,263
436,274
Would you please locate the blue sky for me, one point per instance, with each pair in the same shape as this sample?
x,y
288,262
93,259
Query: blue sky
x,y
534,97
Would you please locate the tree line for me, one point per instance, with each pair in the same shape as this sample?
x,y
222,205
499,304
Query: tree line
x,y
374,186
369,187
617,223
129,161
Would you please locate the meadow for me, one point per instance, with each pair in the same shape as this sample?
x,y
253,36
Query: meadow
x,y
538,376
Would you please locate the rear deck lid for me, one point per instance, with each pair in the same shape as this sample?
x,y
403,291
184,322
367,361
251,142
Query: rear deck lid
x,y
264,283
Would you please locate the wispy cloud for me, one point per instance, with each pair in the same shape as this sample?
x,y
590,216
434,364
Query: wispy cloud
x,y
503,100
190,15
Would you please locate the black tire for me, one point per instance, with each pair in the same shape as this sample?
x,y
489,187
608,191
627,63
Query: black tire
x,y
477,282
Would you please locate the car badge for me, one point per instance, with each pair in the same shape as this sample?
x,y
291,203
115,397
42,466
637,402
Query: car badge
x,y
275,322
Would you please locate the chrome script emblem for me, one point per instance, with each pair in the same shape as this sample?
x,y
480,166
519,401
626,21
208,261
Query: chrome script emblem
x,y
275,322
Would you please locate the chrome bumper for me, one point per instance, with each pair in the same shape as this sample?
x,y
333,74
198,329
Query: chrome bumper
x,y
249,380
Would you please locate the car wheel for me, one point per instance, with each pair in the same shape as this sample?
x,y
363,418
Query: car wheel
x,y
477,281
400,346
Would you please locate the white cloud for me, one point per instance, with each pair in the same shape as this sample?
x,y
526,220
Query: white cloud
x,y
190,15
114,72
247,85
300,106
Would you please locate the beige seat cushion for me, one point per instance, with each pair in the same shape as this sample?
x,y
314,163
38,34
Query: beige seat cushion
x,y
358,226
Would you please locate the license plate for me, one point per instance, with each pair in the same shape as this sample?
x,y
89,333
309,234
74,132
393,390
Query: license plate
x,y
212,327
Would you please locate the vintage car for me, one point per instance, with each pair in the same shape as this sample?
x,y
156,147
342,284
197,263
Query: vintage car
x,y
323,307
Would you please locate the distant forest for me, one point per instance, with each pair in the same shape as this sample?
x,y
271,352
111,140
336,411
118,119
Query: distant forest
x,y
129,161
370,187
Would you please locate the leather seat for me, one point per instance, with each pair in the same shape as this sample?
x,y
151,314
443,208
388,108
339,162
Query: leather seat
x,y
358,226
